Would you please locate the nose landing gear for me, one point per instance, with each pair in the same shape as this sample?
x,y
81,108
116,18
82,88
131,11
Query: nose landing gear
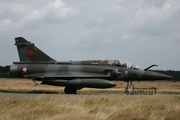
x,y
129,84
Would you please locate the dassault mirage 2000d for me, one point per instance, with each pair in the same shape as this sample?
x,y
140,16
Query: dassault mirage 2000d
x,y
75,75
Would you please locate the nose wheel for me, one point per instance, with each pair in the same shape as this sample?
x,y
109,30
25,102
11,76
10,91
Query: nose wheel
x,y
126,91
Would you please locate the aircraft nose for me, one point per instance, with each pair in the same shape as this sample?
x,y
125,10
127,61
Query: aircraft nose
x,y
160,76
156,76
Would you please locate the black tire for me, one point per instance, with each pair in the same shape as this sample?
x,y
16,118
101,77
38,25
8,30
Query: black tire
x,y
70,90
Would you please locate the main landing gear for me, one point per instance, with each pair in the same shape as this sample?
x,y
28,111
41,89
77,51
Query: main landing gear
x,y
70,90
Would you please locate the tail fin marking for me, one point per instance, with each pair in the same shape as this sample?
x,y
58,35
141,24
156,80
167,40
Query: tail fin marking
x,y
29,52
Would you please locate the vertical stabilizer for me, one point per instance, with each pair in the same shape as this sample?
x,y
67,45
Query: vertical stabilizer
x,y
29,52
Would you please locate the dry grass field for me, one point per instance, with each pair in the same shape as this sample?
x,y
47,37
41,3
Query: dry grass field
x,y
91,107
89,104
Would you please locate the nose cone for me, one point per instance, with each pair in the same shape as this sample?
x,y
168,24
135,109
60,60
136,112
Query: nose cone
x,y
160,76
156,76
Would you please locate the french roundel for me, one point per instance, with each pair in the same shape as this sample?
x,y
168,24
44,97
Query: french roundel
x,y
24,69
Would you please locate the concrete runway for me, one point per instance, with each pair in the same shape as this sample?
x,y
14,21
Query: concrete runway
x,y
33,96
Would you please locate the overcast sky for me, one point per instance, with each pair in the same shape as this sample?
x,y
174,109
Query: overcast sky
x,y
143,32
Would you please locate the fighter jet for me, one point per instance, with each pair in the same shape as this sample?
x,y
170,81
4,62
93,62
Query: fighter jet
x,y
75,75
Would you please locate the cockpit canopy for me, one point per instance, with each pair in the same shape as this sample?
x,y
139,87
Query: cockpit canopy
x,y
120,64
110,62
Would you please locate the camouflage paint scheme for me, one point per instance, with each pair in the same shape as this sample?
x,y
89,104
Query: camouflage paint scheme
x,y
75,75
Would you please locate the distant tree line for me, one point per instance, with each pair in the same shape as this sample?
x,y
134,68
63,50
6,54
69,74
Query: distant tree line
x,y
4,72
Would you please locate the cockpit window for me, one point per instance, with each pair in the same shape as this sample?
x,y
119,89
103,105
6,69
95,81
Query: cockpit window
x,y
104,62
111,62
116,63
134,67
120,64
124,65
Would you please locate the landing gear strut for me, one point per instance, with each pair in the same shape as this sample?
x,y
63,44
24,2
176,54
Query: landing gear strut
x,y
129,84
35,82
70,90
